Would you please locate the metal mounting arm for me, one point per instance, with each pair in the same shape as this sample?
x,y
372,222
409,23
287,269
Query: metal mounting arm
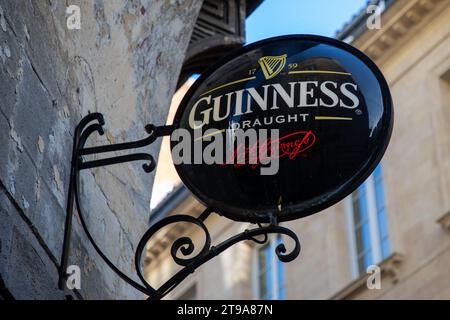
x,y
94,123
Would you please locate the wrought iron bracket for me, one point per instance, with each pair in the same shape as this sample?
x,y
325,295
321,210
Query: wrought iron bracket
x,y
94,123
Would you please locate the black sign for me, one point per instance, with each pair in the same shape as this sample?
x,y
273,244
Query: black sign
x,y
322,115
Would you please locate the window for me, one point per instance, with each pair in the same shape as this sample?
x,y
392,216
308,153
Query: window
x,y
381,213
269,272
369,225
361,229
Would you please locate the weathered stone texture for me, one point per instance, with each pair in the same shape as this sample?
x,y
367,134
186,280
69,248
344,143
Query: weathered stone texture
x,y
124,62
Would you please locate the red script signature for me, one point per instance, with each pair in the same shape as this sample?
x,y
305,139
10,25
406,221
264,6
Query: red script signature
x,y
289,146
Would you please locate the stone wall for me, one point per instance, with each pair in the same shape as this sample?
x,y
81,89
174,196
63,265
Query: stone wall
x,y
123,62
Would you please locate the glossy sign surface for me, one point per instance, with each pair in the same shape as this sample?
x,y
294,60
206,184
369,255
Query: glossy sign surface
x,y
333,112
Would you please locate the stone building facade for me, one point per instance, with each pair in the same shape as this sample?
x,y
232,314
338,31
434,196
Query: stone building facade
x,y
398,222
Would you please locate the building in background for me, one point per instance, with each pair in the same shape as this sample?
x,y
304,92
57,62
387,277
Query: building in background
x,y
399,219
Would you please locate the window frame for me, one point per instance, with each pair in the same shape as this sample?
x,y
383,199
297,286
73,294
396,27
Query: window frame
x,y
374,227
272,243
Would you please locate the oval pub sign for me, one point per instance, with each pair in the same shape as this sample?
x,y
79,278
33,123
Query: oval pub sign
x,y
283,128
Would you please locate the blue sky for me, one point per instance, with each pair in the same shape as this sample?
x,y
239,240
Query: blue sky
x,y
280,17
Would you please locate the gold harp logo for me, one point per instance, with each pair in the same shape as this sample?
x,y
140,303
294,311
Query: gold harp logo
x,y
272,65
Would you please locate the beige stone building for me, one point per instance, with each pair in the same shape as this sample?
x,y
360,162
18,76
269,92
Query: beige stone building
x,y
399,219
